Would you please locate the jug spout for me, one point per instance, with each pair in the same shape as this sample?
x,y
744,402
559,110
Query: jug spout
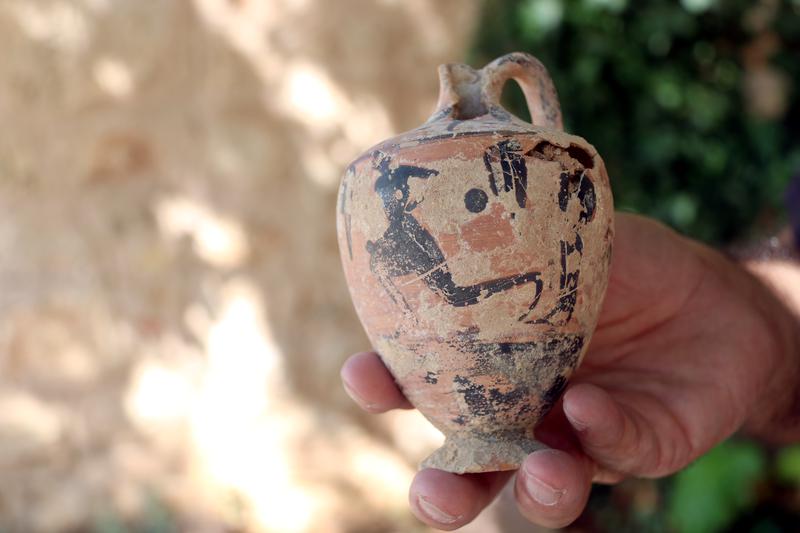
x,y
461,92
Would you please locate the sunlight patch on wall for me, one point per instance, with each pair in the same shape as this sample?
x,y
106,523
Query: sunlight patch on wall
x,y
337,125
114,77
311,96
244,25
60,24
159,394
383,474
413,434
340,126
217,239
243,429
27,424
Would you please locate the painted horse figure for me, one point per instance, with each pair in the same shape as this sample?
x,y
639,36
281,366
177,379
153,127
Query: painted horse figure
x,y
406,247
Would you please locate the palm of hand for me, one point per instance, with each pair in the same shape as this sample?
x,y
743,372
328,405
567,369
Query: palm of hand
x,y
674,367
674,359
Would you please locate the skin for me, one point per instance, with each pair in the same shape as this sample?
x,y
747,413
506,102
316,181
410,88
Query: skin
x,y
690,347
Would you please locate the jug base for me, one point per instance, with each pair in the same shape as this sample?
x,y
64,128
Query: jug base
x,y
471,452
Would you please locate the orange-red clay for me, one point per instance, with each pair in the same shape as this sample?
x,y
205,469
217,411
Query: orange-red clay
x,y
476,248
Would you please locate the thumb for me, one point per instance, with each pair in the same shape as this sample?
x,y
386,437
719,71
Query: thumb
x,y
615,436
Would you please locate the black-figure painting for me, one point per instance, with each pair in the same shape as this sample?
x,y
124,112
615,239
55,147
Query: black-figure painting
x,y
406,247
513,170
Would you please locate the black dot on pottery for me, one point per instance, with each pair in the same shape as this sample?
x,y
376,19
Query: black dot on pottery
x,y
475,200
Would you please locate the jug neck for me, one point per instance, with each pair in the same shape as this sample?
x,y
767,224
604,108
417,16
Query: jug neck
x,y
461,95
466,93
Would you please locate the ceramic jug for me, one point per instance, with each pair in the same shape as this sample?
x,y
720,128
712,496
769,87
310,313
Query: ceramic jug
x,y
476,249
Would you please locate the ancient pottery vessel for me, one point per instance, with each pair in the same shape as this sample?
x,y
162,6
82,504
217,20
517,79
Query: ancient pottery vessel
x,y
476,248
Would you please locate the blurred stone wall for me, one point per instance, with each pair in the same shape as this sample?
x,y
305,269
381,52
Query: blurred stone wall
x,y
172,311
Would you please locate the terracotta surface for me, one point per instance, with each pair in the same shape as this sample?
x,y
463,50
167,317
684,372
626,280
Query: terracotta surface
x,y
476,248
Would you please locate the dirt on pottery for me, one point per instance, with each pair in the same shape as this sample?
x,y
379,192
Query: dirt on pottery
x,y
173,314
477,248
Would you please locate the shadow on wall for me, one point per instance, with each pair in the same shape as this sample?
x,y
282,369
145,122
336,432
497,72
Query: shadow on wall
x,y
172,312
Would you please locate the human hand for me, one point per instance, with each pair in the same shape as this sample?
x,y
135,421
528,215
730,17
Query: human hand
x,y
689,348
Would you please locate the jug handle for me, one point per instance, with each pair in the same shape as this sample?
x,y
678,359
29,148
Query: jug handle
x,y
533,79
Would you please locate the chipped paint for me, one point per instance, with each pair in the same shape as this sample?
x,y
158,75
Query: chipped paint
x,y
477,248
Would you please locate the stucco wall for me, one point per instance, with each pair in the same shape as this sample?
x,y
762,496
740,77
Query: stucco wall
x,y
172,310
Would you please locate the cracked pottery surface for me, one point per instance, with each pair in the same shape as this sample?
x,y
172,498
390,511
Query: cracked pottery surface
x,y
476,248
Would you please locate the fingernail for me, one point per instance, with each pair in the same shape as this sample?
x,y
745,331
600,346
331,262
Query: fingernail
x,y
356,398
434,513
577,423
541,492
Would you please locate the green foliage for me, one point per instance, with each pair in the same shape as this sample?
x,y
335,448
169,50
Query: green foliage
x,y
657,87
787,465
709,494
660,88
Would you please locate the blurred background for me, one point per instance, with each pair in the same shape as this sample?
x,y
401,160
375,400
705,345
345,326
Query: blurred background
x,y
172,311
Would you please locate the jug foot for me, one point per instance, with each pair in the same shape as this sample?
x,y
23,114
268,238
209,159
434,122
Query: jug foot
x,y
468,452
